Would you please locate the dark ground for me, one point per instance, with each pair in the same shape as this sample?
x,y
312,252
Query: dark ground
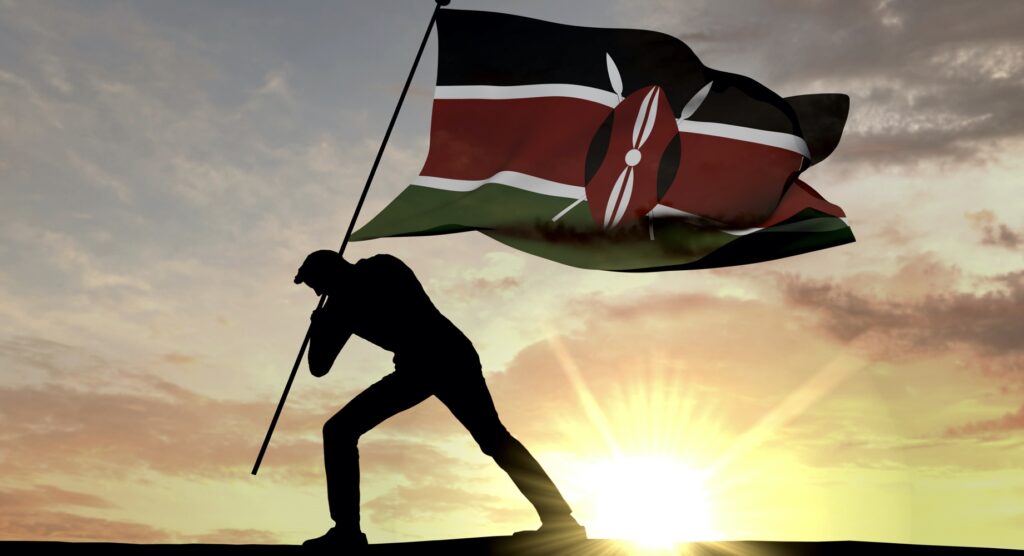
x,y
507,546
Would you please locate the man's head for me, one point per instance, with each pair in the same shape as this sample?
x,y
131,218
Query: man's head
x,y
322,270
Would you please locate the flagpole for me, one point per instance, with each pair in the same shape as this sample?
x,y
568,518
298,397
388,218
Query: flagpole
x,y
348,232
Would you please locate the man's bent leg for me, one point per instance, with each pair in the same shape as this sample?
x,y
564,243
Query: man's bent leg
x,y
389,396
467,397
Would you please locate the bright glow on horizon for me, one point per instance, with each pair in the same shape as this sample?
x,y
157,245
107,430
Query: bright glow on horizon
x,y
653,500
668,468
651,490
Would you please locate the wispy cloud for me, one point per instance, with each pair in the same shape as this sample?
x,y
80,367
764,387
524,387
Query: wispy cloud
x,y
123,420
987,320
235,536
60,526
47,495
995,233
42,513
407,503
1009,423
928,80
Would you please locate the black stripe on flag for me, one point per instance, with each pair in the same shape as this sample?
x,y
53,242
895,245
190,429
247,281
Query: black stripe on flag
x,y
487,48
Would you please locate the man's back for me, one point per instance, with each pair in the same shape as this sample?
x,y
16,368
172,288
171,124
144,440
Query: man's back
x,y
382,302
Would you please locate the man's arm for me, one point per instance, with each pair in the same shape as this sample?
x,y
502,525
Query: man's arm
x,y
328,334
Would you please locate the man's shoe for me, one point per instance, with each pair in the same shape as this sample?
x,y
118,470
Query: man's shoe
x,y
334,538
555,531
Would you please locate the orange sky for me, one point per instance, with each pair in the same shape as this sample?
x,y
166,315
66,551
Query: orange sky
x,y
165,170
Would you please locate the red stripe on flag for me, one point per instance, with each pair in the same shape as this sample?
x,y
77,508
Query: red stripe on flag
x,y
731,181
797,198
473,139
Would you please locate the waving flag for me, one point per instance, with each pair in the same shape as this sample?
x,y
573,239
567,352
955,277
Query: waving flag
x,y
614,149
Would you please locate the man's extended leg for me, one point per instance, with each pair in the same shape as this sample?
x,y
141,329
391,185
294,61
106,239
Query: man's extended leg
x,y
466,395
389,396
527,474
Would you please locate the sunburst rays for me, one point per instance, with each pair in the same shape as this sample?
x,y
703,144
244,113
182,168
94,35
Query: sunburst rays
x,y
669,464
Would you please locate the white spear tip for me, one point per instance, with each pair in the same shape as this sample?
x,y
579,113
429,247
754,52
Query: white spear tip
x,y
613,75
694,103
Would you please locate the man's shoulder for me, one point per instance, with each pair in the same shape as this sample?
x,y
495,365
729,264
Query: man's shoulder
x,y
380,260
382,263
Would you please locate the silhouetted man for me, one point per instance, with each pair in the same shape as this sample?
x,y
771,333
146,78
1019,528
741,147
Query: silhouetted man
x,y
380,300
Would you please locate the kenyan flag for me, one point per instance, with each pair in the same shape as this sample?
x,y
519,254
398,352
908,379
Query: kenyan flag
x,y
614,149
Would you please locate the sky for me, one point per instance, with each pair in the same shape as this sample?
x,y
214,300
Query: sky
x,y
166,166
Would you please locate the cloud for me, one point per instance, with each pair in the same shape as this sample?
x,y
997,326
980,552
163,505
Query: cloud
x,y
179,358
416,462
99,177
235,536
988,321
47,495
995,233
162,183
684,372
496,276
1009,423
104,421
406,503
43,513
67,254
927,79
53,358
40,513
60,526
484,287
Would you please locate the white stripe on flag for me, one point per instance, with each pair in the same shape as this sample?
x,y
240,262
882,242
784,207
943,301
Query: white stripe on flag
x,y
509,178
801,226
494,92
611,100
748,134
662,211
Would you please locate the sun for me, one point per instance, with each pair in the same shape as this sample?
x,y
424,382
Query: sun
x,y
647,479
654,501
655,462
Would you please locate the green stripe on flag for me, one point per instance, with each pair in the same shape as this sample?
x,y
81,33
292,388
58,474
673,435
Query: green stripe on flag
x,y
420,211
523,220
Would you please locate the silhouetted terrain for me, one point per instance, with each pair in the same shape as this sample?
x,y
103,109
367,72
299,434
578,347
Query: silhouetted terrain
x,y
507,546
